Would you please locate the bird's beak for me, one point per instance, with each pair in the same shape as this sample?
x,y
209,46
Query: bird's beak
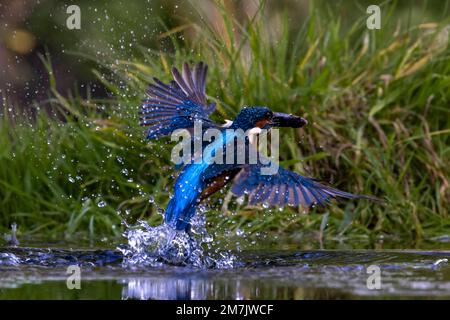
x,y
280,119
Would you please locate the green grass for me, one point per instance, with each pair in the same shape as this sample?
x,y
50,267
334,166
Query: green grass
x,y
378,104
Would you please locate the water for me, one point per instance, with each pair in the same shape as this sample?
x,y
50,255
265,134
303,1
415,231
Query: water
x,y
161,245
160,263
36,273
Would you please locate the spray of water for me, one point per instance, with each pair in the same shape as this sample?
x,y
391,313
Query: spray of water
x,y
160,245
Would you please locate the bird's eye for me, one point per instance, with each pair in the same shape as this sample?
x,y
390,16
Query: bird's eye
x,y
268,115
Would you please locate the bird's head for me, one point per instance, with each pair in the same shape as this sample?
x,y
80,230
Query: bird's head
x,y
263,117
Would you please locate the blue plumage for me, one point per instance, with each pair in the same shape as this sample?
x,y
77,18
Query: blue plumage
x,y
177,105
182,102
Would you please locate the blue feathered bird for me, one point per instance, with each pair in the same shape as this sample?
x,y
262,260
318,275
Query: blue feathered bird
x,y
182,102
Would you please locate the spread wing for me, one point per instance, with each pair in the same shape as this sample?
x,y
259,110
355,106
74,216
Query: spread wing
x,y
285,188
177,105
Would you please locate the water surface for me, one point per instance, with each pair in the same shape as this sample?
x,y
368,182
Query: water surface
x,y
36,273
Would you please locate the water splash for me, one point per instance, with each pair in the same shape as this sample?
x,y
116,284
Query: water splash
x,y
160,245
9,259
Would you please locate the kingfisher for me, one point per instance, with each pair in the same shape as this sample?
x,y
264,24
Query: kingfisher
x,y
181,104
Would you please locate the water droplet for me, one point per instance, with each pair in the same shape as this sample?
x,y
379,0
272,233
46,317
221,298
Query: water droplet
x,y
101,204
120,160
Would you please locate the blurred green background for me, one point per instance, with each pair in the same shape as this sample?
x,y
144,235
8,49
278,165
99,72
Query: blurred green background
x,y
117,29
74,164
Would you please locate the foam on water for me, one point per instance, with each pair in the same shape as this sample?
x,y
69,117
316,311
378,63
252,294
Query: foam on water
x,y
159,245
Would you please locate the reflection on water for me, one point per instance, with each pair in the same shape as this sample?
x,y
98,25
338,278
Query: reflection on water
x,y
27,273
237,289
167,289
